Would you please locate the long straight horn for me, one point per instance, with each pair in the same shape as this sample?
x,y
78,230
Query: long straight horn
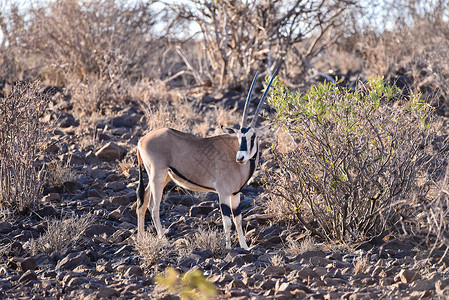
x,y
256,114
248,99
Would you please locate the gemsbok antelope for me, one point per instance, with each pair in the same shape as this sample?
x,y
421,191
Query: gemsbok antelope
x,y
213,164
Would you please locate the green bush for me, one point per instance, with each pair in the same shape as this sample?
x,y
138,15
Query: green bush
x,y
191,285
351,156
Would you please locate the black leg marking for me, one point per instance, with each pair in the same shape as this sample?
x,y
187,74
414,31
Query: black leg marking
x,y
225,210
237,211
140,191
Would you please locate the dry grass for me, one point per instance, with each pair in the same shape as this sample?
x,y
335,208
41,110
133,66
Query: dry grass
x,y
59,172
150,248
125,166
203,239
295,247
361,264
61,234
277,260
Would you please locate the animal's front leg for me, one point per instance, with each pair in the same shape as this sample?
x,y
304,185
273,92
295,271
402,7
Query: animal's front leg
x,y
226,216
237,213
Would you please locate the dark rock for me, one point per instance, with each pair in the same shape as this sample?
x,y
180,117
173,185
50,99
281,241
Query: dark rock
x,y
116,185
22,264
28,276
111,152
273,271
5,227
408,276
127,121
65,120
51,197
98,229
72,260
200,210
134,270
122,200
47,211
183,200
69,187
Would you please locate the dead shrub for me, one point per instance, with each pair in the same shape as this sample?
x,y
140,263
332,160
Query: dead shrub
x,y
61,234
355,156
22,138
299,247
150,249
203,239
85,38
239,37
58,172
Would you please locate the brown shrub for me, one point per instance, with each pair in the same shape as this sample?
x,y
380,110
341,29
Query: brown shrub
x,y
22,137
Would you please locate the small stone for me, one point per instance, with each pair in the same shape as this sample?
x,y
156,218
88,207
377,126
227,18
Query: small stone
x,y
111,152
319,261
134,270
122,200
107,292
408,276
386,281
106,267
27,276
274,271
51,197
73,260
99,229
115,215
422,285
266,285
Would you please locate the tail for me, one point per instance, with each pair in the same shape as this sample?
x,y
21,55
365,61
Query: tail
x,y
140,191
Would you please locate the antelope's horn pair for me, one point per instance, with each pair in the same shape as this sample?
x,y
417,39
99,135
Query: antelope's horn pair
x,y
248,99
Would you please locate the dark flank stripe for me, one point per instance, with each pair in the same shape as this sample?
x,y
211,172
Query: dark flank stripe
x,y
188,180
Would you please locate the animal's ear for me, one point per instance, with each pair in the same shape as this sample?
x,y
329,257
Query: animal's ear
x,y
262,130
229,130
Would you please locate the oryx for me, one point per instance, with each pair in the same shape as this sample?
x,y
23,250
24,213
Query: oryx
x,y
213,164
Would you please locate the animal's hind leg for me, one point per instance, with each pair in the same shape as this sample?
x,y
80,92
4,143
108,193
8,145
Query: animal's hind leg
x,y
140,211
157,186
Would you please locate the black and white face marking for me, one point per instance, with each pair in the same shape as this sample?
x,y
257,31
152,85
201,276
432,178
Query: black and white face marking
x,y
248,141
247,144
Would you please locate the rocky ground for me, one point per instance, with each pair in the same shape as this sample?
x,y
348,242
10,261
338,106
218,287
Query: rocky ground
x,y
105,263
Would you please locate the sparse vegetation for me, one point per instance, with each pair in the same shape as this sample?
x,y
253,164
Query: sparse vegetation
x,y
362,164
191,285
354,156
150,249
22,138
61,234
